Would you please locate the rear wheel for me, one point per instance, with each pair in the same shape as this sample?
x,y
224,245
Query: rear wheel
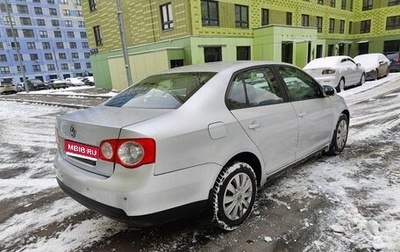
x,y
341,85
233,195
340,134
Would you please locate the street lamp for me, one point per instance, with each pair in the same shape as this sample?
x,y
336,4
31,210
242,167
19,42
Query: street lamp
x,y
123,42
17,48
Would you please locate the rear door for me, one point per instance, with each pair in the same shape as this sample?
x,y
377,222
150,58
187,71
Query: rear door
x,y
314,111
258,103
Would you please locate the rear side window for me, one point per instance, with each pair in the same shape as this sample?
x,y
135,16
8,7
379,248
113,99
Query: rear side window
x,y
164,91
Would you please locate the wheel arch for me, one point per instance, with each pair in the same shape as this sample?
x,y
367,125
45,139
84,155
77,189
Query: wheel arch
x,y
252,160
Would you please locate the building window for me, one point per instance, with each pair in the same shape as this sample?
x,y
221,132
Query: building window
x,y
55,22
320,1
344,4
33,56
243,53
92,5
48,56
57,34
1,45
83,35
305,20
6,20
25,21
86,55
241,16
88,65
81,24
64,66
264,16
331,25
23,9
212,54
75,55
46,45
331,50
28,33
97,36
351,5
288,18
176,63
19,69
391,46
319,24
332,3
79,13
68,23
3,58
77,65
367,5
50,1
342,23
365,26
85,45
393,23
18,46
5,70
51,67
66,12
53,11
31,45
350,27
36,68
60,45
393,2
62,56
167,21
41,22
38,10
10,33
72,45
209,13
70,34
36,1
43,34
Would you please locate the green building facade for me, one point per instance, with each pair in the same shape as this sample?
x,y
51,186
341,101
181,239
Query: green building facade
x,y
162,34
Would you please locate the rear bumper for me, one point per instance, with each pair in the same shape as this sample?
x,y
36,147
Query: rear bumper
x,y
137,221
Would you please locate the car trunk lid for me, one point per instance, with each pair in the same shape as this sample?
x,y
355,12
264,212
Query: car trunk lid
x,y
81,132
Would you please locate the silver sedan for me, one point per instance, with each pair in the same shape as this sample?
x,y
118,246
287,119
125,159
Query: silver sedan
x,y
196,139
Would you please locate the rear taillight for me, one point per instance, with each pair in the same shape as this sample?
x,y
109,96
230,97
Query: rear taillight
x,y
130,153
328,71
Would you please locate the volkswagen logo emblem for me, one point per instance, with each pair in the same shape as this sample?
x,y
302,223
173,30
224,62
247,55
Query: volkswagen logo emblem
x,y
72,131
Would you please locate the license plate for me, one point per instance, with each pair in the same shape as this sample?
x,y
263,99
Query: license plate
x,y
81,150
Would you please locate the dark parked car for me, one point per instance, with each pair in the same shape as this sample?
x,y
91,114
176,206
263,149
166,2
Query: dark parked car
x,y
33,84
394,61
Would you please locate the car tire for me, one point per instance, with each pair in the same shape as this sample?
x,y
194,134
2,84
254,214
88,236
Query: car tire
x,y
339,137
341,85
233,195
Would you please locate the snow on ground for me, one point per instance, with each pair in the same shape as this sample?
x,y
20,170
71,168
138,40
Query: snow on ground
x,y
364,189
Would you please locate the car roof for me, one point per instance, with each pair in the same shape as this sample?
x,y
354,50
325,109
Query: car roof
x,y
325,61
221,66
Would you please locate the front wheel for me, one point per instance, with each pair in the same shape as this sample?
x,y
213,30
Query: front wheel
x,y
340,134
234,193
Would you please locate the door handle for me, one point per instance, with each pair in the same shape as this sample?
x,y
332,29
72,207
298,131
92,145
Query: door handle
x,y
254,125
302,114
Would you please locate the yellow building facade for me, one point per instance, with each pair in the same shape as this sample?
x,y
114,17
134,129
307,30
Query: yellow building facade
x,y
163,34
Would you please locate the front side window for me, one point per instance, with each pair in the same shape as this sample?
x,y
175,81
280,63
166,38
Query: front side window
x,y
253,88
241,16
209,13
164,91
299,85
166,16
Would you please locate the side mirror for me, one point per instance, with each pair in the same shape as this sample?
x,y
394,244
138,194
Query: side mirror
x,y
329,91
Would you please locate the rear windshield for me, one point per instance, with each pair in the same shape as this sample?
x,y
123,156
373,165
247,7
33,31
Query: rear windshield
x,y
164,91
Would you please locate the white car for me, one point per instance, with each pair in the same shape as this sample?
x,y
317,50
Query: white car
x,y
339,72
74,82
376,65
196,139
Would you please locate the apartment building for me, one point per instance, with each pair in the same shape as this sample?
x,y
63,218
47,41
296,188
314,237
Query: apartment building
x,y
51,38
162,34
